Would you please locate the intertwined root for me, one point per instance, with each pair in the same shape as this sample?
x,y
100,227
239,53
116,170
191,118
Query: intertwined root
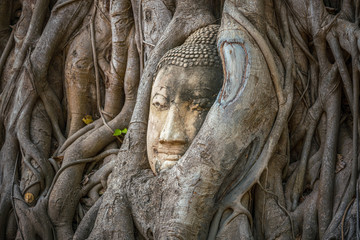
x,y
58,189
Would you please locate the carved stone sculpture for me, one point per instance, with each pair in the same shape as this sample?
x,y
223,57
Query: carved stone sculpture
x,y
187,82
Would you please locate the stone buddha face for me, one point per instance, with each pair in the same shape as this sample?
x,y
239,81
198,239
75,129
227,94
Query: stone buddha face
x,y
188,80
180,100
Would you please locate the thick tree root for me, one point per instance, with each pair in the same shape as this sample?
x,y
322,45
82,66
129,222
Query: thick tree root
x,y
87,223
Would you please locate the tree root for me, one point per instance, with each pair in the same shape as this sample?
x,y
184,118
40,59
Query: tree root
x,y
123,37
98,139
29,148
87,223
6,52
263,45
343,218
284,110
283,208
310,225
327,173
336,218
33,221
236,207
81,132
80,81
301,169
39,178
99,176
81,161
345,76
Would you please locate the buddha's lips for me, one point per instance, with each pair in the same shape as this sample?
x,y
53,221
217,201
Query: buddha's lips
x,y
170,150
169,157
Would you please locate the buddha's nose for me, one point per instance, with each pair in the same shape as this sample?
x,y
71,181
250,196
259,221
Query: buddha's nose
x,y
174,129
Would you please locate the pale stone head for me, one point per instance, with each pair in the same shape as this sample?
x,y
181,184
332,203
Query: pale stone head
x,y
187,82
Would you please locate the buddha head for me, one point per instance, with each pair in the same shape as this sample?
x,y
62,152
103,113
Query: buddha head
x,y
187,82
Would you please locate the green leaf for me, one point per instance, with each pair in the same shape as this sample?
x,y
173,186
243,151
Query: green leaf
x,y
117,132
124,131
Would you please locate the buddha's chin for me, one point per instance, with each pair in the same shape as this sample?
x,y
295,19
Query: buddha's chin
x,y
167,165
166,161
169,157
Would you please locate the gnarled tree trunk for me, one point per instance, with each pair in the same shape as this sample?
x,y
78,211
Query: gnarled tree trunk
x,y
276,157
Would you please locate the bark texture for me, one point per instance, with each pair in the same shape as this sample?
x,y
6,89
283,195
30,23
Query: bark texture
x,y
276,157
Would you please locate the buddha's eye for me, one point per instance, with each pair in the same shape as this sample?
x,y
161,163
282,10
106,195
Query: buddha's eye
x,y
160,102
201,104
